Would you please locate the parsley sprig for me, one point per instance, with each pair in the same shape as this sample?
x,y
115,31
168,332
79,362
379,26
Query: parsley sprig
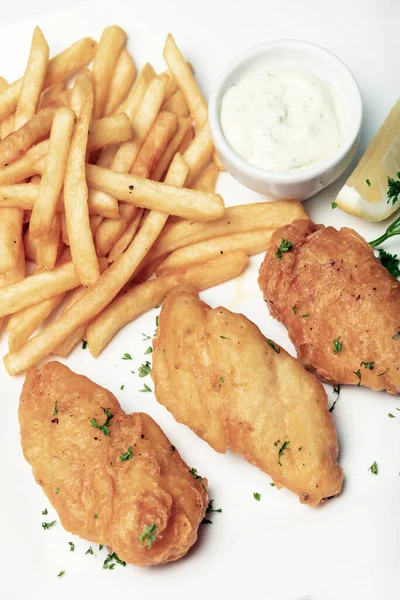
x,y
104,427
127,455
393,189
282,449
149,534
390,262
284,247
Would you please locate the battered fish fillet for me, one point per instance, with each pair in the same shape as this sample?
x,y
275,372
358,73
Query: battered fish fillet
x,y
340,306
150,495
217,374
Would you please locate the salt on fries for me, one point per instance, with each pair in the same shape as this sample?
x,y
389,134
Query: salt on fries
x,y
102,182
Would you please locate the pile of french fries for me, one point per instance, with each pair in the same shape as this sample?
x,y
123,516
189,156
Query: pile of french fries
x,y
105,180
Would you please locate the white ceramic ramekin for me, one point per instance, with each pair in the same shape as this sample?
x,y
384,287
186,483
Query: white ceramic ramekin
x,y
307,181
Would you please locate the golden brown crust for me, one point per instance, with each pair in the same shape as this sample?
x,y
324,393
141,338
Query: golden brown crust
x,y
68,454
334,278
216,372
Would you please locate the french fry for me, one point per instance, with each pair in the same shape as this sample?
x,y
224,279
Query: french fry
x,y
177,104
76,202
129,305
125,239
7,126
186,141
32,82
172,86
64,229
21,195
95,221
207,180
51,94
34,130
153,147
14,275
109,130
83,86
36,288
186,81
99,295
135,96
252,242
60,67
3,84
105,60
30,246
76,336
184,124
47,248
45,206
107,155
11,220
198,153
190,204
24,167
121,82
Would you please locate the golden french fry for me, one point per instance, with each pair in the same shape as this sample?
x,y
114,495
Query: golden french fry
x,y
252,242
60,67
190,204
186,141
7,126
15,274
76,202
34,130
207,180
105,60
129,305
153,147
83,86
107,155
36,288
21,195
45,206
177,104
64,229
51,94
121,82
11,220
95,221
33,80
198,153
24,167
47,248
125,239
29,246
135,96
186,81
70,342
172,86
109,130
99,295
184,124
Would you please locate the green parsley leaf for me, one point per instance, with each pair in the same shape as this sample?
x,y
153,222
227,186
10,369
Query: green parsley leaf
x,y
45,511
173,448
224,338
104,427
61,573
294,308
205,521
257,496
274,347
359,377
111,560
336,390
282,449
194,474
145,389
157,321
84,344
144,369
101,546
127,454
210,510
334,205
390,262
368,365
277,442
337,346
122,387
110,567
71,546
127,356
393,189
89,551
48,525
149,350
272,484
95,516
55,409
305,316
396,337
149,533
57,490
367,181
284,247
221,379
146,337
391,416
374,468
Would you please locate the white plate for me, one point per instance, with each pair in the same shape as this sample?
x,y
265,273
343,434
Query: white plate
x,y
275,549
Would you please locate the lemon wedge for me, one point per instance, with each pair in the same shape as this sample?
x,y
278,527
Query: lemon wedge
x,y
365,193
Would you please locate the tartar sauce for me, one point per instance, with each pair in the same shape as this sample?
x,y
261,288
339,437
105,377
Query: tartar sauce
x,y
282,118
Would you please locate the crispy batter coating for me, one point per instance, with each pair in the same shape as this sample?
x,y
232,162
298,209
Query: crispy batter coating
x,y
98,496
334,278
216,372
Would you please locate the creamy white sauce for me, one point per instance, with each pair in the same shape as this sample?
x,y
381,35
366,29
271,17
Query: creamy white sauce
x,y
282,118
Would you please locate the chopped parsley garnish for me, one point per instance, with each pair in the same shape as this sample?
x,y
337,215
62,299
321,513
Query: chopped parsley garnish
x,y
274,347
144,369
104,427
122,387
61,573
391,416
101,546
277,442
284,247
55,409
359,377
89,551
282,449
84,344
157,321
221,379
336,390
111,560
146,337
210,510
145,389
396,337
390,262
194,474
257,496
127,454
305,316
127,356
57,490
48,525
294,308
368,365
272,484
374,468
149,534
367,181
224,338
71,546
393,189
334,205
45,511
173,448
149,350
95,516
337,345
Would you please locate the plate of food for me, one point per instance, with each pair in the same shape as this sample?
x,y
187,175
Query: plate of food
x,y
199,304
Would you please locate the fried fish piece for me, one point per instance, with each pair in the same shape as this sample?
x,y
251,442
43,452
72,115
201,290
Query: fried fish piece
x,y
340,306
113,478
217,374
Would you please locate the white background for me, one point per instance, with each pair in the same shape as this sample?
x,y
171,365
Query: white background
x,y
275,549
